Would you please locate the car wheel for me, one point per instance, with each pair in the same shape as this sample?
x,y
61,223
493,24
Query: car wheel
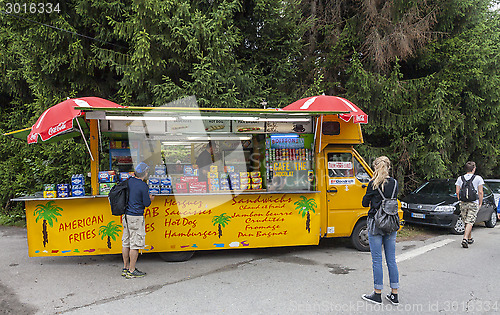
x,y
492,221
359,236
459,226
176,256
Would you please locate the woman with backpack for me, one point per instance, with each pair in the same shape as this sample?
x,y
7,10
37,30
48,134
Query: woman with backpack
x,y
381,183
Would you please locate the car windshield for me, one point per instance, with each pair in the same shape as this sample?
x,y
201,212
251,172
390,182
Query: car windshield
x,y
495,186
437,188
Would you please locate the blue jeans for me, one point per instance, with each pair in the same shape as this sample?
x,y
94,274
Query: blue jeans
x,y
389,242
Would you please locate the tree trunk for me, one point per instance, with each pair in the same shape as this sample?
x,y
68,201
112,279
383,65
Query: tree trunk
x,y
220,231
308,222
44,233
109,242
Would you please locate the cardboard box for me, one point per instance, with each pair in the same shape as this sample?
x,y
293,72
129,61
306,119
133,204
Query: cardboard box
x,y
214,187
63,188
155,189
189,170
244,181
105,188
181,186
50,194
154,180
197,188
229,169
125,175
165,189
256,186
165,181
160,170
77,179
213,181
244,175
254,174
213,175
257,180
214,169
49,187
107,177
77,191
189,179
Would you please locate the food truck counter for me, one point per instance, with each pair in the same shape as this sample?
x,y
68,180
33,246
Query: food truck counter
x,y
249,192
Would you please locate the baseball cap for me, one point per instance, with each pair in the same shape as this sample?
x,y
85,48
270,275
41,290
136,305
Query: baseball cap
x,y
141,168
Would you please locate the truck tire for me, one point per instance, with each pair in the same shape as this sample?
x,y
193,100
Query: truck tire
x,y
176,256
359,236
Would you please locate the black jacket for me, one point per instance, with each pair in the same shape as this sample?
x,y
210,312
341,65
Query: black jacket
x,y
373,199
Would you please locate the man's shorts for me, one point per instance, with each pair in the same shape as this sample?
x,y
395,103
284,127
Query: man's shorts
x,y
469,210
134,232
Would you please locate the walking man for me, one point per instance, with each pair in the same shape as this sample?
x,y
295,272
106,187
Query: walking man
x,y
469,208
134,228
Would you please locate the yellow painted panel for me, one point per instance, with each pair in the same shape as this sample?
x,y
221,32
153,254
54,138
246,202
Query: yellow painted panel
x,y
60,227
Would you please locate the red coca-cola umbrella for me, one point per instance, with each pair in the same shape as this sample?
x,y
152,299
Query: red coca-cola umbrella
x,y
58,119
327,103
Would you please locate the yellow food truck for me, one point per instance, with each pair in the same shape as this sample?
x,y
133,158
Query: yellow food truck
x,y
277,178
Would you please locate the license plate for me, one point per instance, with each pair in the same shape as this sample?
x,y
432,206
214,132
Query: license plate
x,y
418,215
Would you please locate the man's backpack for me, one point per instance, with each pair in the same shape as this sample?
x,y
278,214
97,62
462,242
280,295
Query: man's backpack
x,y
386,217
118,198
467,191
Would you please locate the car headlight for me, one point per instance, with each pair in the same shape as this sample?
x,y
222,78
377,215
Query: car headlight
x,y
404,204
445,208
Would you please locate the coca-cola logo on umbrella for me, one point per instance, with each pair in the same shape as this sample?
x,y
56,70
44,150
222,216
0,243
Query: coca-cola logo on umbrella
x,y
59,118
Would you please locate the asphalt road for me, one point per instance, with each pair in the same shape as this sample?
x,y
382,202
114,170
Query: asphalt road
x,y
437,277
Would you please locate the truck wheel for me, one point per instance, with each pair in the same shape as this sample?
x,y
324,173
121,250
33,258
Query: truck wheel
x,y
359,236
492,221
176,256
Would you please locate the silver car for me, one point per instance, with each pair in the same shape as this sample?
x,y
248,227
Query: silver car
x,y
494,185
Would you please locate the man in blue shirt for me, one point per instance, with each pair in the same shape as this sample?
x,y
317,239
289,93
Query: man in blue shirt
x,y
134,227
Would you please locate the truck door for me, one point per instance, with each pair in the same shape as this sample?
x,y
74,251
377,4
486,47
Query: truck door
x,y
346,183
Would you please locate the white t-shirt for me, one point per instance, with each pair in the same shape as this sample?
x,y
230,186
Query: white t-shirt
x,y
478,180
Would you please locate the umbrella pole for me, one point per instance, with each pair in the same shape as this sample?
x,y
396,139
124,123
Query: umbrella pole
x,y
94,164
85,140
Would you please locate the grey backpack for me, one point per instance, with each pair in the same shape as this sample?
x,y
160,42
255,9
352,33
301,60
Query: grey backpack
x,y
386,217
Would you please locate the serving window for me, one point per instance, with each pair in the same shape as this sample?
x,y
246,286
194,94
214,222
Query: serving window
x,y
194,154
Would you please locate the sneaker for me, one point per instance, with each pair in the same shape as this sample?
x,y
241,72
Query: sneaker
x,y
374,298
393,298
465,244
135,274
124,272
470,240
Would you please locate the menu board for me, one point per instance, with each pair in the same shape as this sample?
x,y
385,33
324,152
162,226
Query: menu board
x,y
289,127
216,126
183,126
240,126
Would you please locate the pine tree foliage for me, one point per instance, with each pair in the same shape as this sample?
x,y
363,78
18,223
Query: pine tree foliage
x,y
426,72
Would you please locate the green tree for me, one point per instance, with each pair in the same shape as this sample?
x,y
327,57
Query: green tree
x,y
111,231
221,221
304,206
48,213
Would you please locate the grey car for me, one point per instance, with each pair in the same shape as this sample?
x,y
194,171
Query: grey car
x,y
435,203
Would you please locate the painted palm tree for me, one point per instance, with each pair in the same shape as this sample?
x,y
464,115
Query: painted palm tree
x,y
221,220
48,213
110,230
305,205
